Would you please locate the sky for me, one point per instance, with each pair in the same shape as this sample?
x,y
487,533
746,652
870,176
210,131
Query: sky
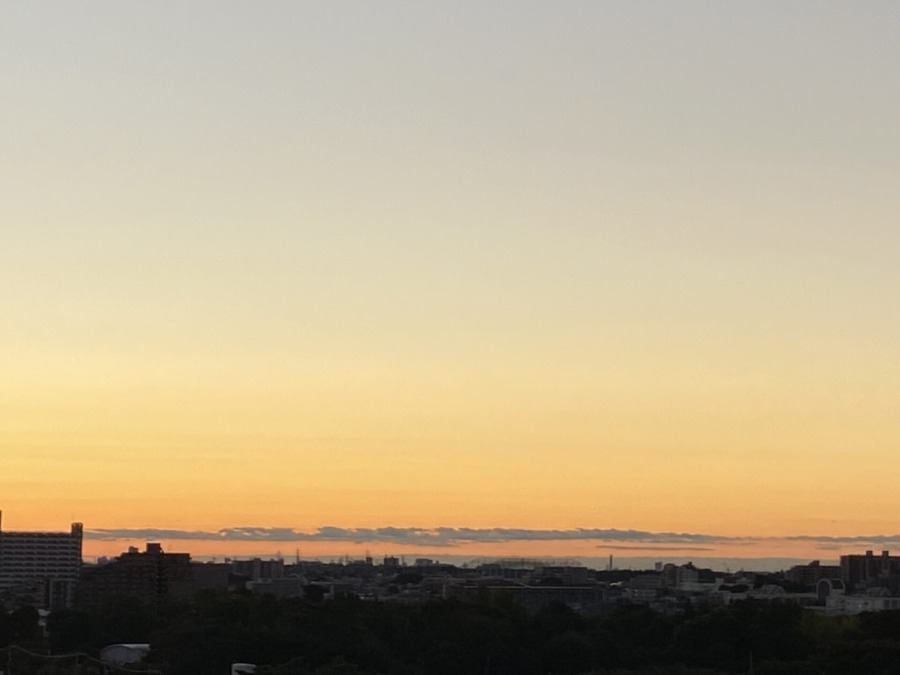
x,y
298,274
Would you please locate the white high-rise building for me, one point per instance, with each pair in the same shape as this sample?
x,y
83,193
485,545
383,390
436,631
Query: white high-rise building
x,y
40,563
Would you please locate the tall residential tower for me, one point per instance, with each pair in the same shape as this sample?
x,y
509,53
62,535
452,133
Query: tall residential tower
x,y
40,567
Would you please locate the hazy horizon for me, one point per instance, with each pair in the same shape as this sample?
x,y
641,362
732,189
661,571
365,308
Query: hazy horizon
x,y
458,544
718,564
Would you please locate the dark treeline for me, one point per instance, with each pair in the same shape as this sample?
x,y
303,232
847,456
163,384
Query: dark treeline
x,y
492,636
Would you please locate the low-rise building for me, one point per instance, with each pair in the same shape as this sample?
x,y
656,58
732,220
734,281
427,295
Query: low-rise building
x,y
812,573
151,576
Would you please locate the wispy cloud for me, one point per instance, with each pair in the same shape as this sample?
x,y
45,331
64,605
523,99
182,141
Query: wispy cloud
x,y
454,536
673,548
414,536
876,541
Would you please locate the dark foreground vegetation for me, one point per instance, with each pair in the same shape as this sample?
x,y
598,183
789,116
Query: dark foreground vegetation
x,y
492,636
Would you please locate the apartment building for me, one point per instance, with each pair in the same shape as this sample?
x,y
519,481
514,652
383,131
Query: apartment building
x,y
42,568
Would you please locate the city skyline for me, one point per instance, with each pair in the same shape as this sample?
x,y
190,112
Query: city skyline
x,y
625,265
587,544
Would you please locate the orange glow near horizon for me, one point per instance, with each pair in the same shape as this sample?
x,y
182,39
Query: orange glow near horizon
x,y
209,550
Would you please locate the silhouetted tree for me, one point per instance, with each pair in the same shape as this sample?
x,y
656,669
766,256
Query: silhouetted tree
x,y
24,622
70,630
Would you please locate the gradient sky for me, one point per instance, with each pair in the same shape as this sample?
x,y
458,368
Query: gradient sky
x,y
465,264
